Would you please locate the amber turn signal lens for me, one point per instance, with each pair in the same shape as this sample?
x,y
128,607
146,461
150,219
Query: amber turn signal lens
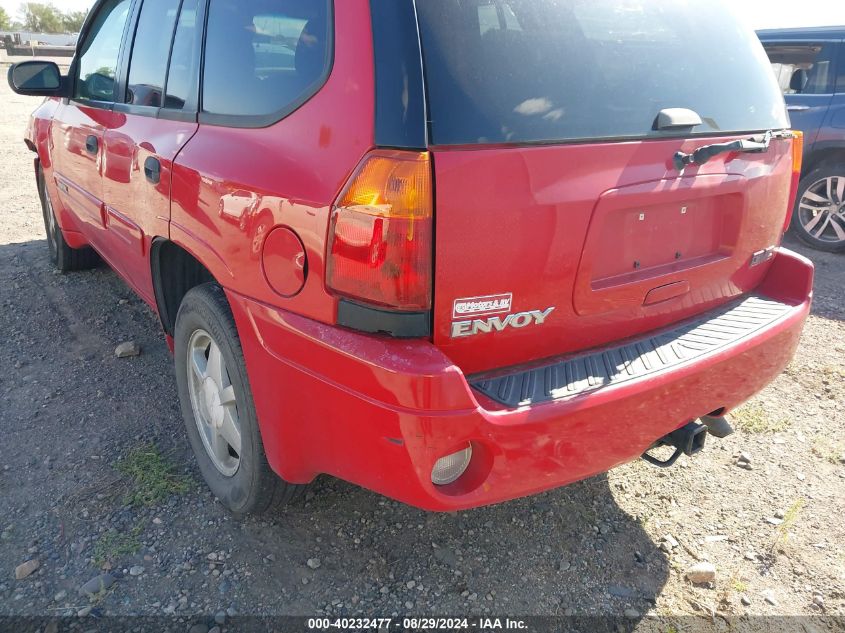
x,y
797,151
380,242
797,163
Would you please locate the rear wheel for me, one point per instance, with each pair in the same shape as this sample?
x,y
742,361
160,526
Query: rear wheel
x,y
819,218
64,258
218,409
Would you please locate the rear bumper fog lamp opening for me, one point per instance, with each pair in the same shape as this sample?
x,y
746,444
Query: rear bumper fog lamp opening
x,y
448,470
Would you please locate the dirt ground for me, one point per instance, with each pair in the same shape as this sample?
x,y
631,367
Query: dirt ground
x,y
96,476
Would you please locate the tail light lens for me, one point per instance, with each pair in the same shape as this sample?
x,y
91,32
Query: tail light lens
x,y
797,162
380,240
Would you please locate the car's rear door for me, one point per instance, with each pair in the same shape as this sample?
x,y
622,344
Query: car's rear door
x,y
80,122
832,133
806,72
156,114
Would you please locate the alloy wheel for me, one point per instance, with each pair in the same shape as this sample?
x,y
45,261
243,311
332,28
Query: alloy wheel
x,y
214,403
822,210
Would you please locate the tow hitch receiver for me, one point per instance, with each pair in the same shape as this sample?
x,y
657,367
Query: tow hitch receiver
x,y
687,440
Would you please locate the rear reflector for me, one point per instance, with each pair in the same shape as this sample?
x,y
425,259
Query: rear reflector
x,y
797,163
380,240
449,469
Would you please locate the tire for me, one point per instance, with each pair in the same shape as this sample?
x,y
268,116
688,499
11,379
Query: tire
x,y
215,399
63,257
819,215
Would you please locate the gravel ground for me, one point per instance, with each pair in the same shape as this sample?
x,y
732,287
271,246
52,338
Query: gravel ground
x,y
76,420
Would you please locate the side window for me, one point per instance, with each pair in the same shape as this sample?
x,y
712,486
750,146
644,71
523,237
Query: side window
x,y
184,61
495,15
263,60
803,68
150,51
99,53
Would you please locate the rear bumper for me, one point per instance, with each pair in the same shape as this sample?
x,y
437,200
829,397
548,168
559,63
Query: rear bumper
x,y
380,412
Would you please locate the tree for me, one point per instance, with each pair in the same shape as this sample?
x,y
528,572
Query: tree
x,y
41,18
72,21
5,22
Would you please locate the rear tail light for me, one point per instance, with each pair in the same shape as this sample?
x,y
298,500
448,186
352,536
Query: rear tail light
x,y
380,240
797,162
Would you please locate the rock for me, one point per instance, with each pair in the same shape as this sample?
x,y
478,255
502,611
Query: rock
x,y
774,520
745,600
818,600
84,612
632,614
780,514
701,573
24,570
446,556
411,584
621,592
744,457
564,565
220,617
136,570
669,543
409,605
313,563
215,629
98,584
127,350
769,597
198,628
52,627
60,596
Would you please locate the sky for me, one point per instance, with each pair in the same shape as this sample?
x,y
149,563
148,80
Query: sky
x,y
757,13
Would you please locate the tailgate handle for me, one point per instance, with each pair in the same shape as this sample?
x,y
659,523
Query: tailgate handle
x,y
664,293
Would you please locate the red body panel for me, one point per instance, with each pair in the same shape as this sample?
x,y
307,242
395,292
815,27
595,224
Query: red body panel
x,y
226,199
542,223
137,210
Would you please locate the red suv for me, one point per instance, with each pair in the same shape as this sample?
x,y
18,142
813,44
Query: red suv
x,y
453,251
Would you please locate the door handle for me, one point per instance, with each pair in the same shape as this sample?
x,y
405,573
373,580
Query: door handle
x,y
92,145
152,170
797,108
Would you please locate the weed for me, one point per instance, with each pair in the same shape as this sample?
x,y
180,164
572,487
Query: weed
x,y
828,449
789,520
753,418
152,477
114,545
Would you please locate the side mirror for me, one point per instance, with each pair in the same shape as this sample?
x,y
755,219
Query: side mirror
x,y
36,79
799,81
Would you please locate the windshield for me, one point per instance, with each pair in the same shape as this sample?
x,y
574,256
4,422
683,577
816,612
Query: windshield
x,y
539,71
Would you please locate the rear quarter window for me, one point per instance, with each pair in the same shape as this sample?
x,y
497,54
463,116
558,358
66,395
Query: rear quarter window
x,y
539,71
263,59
